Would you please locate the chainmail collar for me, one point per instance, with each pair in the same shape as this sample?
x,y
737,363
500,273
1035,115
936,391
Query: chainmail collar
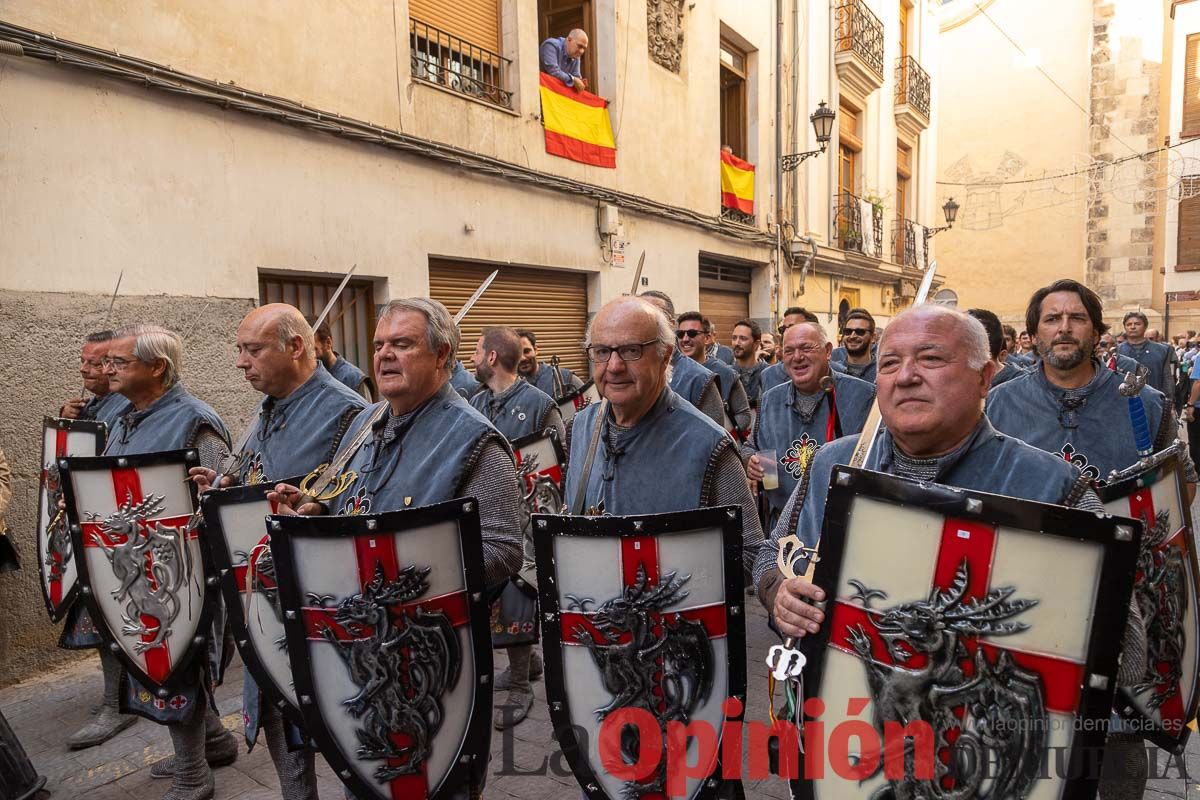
x,y
895,461
1072,401
618,438
805,405
390,427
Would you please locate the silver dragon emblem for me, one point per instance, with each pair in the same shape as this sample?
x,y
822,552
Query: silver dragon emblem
x,y
1002,734
148,590
1162,598
403,660
666,667
544,495
58,536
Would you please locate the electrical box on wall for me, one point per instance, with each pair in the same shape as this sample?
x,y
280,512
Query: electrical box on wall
x,y
609,220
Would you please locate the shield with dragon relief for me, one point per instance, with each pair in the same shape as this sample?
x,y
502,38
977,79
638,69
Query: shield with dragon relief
x,y
239,547
142,570
1167,589
56,557
985,627
640,613
387,633
540,461
575,400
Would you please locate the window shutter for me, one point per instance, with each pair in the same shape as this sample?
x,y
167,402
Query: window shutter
x,y
1188,257
551,303
1191,87
475,21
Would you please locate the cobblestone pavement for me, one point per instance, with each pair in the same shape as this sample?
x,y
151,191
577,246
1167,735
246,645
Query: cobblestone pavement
x,y
44,710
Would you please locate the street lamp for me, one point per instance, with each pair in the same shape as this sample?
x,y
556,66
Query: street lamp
x,y
951,212
822,122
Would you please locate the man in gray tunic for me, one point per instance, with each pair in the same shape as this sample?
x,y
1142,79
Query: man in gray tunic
x,y
746,339
297,426
144,363
689,379
337,366
776,374
426,445
554,381
104,405
857,353
517,408
797,419
658,453
934,371
691,329
1155,356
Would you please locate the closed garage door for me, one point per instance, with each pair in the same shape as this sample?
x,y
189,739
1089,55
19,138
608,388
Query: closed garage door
x,y
551,303
724,310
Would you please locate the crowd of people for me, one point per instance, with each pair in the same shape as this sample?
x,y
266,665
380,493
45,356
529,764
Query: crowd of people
x,y
688,422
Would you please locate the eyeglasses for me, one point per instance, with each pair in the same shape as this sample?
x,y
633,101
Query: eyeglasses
x,y
118,363
802,349
601,353
856,331
690,334
93,363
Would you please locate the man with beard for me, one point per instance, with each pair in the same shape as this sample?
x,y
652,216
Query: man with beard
x,y
541,374
796,420
297,427
1158,358
689,379
144,363
934,371
767,352
104,405
857,353
690,334
747,342
341,369
1010,344
658,453
517,408
1069,404
426,444
1006,369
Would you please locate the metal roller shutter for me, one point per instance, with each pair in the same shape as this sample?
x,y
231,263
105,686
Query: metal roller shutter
x,y
724,310
551,303
475,21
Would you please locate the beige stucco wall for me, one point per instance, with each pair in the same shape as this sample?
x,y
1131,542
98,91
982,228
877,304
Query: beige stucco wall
x,y
993,102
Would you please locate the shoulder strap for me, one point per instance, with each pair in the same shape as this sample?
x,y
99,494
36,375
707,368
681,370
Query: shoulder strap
x,y
338,464
593,444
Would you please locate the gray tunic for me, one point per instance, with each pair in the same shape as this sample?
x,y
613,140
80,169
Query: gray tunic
x,y
105,408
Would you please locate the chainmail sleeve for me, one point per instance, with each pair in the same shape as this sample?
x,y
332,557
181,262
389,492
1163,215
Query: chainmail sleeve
x,y
492,480
553,419
1167,434
711,405
726,486
739,406
210,445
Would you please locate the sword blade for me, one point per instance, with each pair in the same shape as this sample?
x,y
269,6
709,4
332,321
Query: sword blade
x,y
473,299
329,306
926,284
637,276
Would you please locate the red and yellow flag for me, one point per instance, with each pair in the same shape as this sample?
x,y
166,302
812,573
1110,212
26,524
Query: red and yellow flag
x,y
737,183
577,124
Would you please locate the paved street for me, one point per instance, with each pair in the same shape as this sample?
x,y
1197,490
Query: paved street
x,y
44,710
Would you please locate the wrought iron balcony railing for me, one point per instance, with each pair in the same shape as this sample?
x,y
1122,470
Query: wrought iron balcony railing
x,y
858,225
857,30
733,215
455,64
912,85
904,243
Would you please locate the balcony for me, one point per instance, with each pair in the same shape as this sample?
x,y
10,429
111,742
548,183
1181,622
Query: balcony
x,y
858,225
456,65
908,244
858,47
912,96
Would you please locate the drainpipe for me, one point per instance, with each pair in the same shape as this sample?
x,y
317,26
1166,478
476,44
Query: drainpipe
x,y
796,117
778,160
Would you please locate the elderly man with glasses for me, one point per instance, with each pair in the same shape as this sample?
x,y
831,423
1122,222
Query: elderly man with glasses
x,y
657,453
857,353
689,378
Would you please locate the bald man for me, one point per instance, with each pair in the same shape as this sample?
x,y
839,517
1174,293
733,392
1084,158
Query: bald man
x,y
559,57
298,425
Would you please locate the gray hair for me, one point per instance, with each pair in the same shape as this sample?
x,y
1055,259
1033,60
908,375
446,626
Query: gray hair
x,y
439,325
975,336
664,340
152,342
655,293
289,324
822,336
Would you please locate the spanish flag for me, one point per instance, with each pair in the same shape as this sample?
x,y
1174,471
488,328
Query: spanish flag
x,y
577,124
737,183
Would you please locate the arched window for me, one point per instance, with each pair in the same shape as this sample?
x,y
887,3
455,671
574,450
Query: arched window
x,y
946,297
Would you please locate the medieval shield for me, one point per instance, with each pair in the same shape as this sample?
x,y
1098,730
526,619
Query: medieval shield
x,y
142,570
56,557
576,399
1167,588
540,461
643,616
387,631
240,550
970,644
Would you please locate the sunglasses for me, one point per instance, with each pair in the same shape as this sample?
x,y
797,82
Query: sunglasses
x,y
688,334
856,332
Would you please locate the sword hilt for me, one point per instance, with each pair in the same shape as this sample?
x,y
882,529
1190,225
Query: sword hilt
x,y
785,661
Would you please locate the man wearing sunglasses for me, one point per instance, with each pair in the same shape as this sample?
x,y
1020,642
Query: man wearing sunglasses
x,y
691,333
857,353
689,379
658,453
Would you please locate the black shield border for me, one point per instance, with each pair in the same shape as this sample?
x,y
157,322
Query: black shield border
x,y
1111,609
100,430
464,511
186,459
546,527
210,503
570,395
1119,490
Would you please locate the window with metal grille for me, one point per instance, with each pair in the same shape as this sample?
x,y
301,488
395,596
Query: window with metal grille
x,y
351,320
